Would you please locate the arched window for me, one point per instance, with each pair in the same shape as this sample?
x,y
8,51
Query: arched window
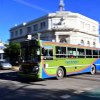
x,y
88,43
82,42
94,44
63,40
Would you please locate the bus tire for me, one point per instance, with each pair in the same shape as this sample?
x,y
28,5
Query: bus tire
x,y
93,70
60,73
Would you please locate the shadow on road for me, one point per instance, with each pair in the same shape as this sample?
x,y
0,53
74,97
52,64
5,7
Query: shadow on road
x,y
13,76
48,94
27,92
87,76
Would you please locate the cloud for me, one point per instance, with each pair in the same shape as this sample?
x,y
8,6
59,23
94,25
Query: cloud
x,y
32,5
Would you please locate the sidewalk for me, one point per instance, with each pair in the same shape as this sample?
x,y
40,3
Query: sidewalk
x,y
15,68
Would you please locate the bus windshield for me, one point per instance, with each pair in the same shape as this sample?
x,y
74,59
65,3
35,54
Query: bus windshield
x,y
30,52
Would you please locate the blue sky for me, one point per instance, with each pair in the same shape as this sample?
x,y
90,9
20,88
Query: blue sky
x,y
18,11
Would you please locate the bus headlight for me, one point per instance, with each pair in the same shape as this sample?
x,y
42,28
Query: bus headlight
x,y
35,68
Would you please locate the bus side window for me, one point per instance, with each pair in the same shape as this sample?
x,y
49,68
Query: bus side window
x,y
88,53
51,52
72,52
99,53
43,51
60,52
95,53
80,53
47,52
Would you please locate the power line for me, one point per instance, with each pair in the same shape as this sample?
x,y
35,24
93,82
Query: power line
x,y
31,5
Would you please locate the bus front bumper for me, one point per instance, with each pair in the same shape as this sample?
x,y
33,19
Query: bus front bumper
x,y
29,75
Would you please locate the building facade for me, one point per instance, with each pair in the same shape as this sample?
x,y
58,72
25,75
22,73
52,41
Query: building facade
x,y
62,26
1,50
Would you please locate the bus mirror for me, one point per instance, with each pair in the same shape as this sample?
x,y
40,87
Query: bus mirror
x,y
43,50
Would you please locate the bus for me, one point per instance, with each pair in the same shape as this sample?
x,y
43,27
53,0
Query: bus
x,y
45,59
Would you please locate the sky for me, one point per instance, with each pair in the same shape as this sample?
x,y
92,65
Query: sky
x,y
18,11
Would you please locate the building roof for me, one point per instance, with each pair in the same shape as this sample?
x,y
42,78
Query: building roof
x,y
57,14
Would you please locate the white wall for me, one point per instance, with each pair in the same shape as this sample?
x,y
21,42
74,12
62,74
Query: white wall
x,y
1,50
87,29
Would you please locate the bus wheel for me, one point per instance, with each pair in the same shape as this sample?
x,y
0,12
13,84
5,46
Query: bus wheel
x,y
93,70
60,73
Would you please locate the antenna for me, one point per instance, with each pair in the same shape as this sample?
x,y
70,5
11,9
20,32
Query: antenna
x,y
61,5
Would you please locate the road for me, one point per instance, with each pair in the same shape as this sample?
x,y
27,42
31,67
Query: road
x,y
76,87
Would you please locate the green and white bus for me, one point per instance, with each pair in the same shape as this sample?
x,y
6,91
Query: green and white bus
x,y
44,59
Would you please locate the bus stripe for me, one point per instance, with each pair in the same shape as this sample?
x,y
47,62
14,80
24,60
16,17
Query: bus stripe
x,y
87,66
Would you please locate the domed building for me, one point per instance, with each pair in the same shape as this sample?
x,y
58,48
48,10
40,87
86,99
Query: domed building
x,y
61,26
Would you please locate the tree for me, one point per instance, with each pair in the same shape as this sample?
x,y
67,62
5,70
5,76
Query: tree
x,y
12,51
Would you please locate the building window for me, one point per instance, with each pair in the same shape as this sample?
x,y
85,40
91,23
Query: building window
x,y
21,31
94,28
88,43
88,26
35,27
94,44
82,24
12,34
16,33
42,25
82,42
63,40
29,29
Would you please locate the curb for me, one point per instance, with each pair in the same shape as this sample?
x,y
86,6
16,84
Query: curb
x,y
15,68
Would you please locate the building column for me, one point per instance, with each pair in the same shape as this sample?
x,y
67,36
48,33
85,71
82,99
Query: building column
x,y
1,55
57,38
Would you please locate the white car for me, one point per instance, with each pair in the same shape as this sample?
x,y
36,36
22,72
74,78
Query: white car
x,y
5,64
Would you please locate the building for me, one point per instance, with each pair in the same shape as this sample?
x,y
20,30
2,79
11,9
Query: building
x,y
62,26
1,50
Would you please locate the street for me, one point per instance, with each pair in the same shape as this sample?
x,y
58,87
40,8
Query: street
x,y
74,87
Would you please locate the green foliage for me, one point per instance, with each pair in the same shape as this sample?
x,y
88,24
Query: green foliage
x,y
12,51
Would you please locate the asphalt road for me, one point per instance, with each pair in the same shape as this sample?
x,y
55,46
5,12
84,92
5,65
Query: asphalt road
x,y
76,87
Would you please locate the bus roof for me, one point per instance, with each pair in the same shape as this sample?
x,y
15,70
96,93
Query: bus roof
x,y
69,45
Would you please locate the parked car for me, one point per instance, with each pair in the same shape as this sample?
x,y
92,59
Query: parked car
x,y
5,64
